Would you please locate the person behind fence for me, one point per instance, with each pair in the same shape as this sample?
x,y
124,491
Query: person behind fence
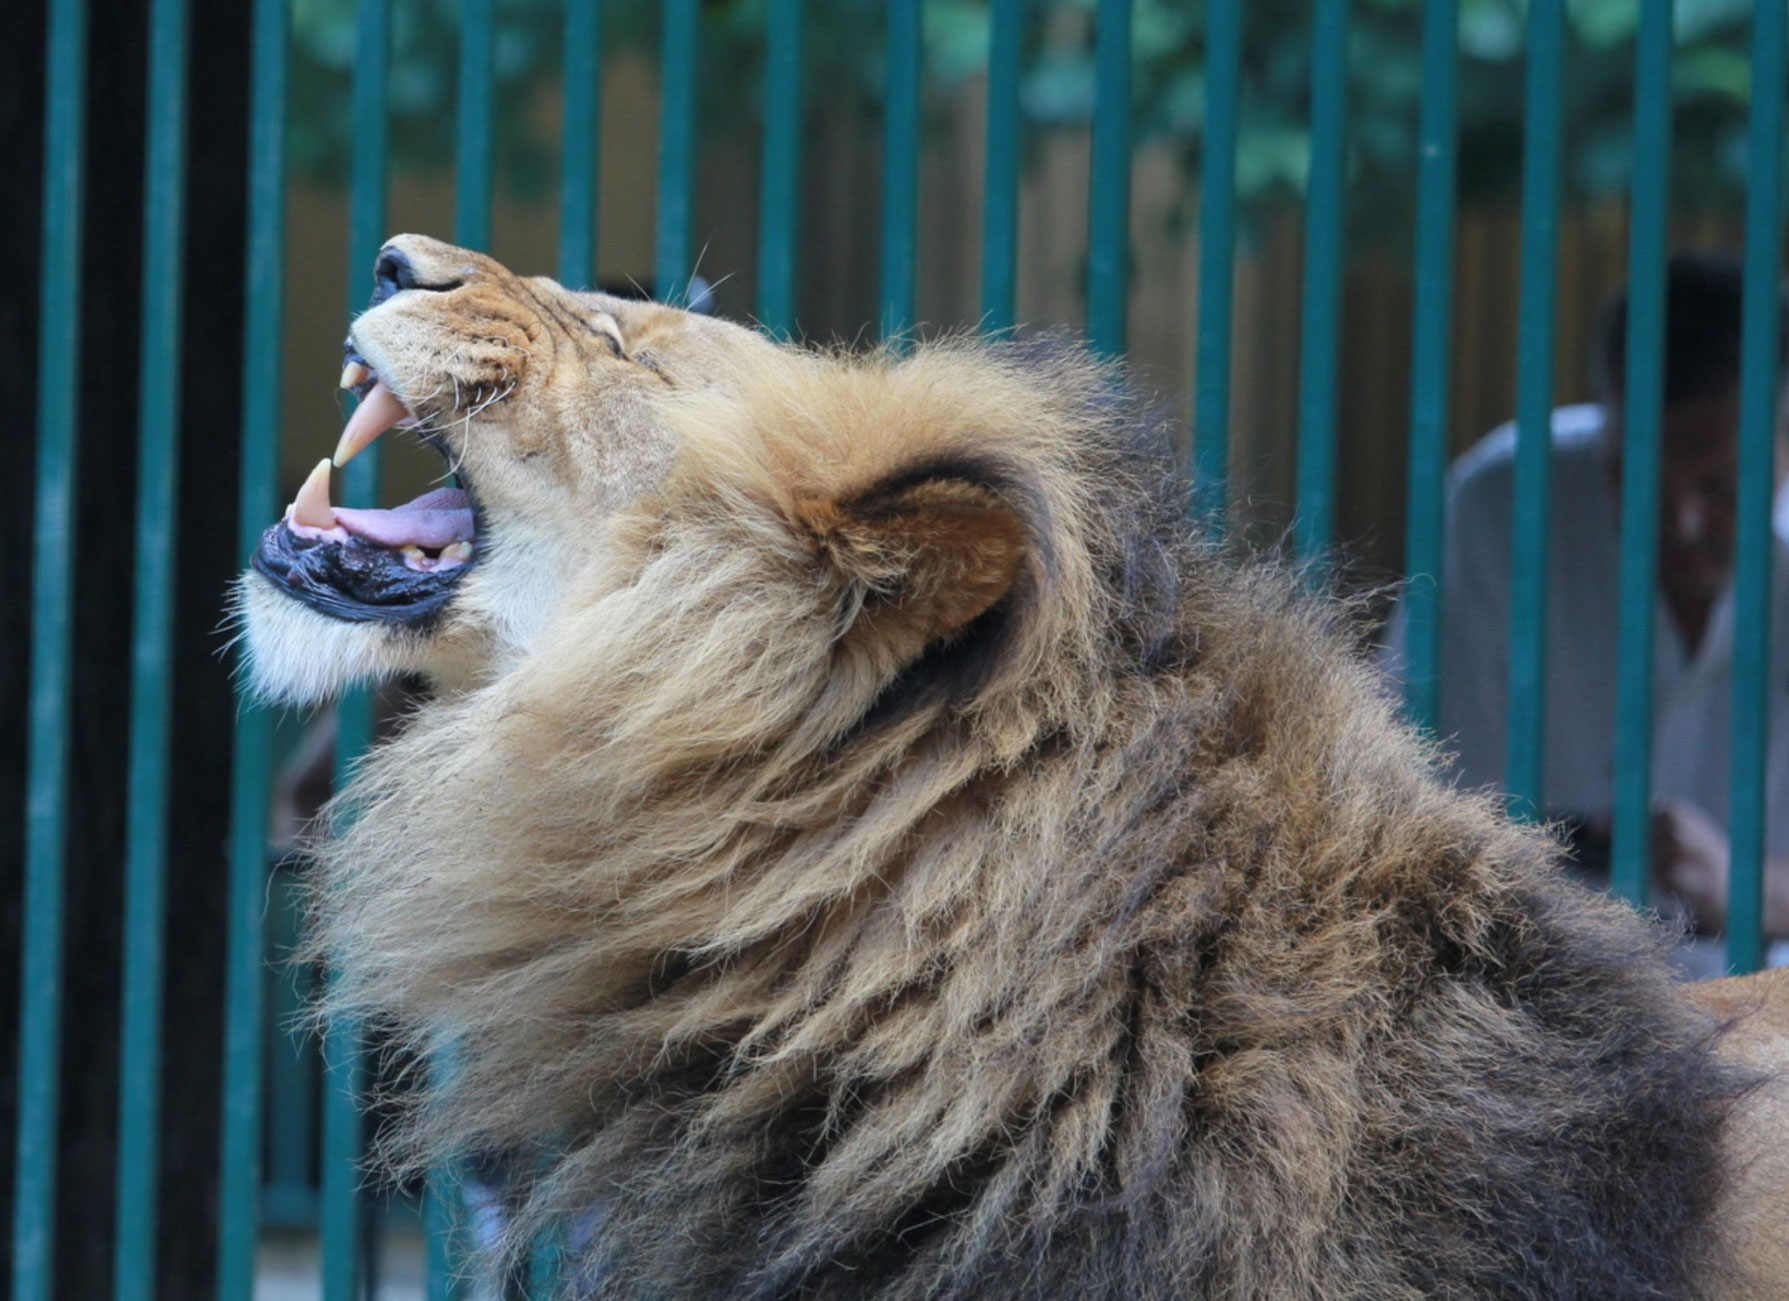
x,y
1693,628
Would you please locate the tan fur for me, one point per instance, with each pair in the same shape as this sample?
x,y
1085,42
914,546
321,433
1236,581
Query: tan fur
x,y
1755,1215
864,844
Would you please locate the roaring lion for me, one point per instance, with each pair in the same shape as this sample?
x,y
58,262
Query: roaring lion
x,y
862,841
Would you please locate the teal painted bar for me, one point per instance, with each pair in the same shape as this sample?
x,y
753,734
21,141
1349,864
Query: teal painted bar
x,y
544,1270
1648,234
343,1129
441,1218
289,1192
152,653
343,1138
1000,170
582,149
1431,356
366,205
474,126
1217,257
900,166
1542,136
251,774
1320,343
52,583
676,150
779,199
1753,694
474,130
1109,185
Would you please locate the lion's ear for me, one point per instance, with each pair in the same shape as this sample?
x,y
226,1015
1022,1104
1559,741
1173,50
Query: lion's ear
x,y
932,555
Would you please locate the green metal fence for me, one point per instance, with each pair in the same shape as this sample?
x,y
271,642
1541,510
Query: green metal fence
x,y
779,268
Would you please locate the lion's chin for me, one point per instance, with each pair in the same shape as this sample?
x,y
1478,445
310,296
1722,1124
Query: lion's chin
x,y
298,656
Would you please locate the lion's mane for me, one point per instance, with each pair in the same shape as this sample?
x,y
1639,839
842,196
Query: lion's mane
x,y
917,865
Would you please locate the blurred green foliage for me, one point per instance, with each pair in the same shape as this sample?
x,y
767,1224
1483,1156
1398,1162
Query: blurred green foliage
x,y
1710,85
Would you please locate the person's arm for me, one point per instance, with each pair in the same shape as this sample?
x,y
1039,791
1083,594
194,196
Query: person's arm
x,y
1691,854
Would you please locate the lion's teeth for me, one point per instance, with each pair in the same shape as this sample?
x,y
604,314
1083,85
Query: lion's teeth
x,y
354,374
413,553
311,507
378,411
457,552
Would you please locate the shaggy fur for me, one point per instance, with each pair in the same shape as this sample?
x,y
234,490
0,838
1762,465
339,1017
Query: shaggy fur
x,y
906,861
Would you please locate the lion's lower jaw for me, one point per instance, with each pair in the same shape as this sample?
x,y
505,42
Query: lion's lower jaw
x,y
296,656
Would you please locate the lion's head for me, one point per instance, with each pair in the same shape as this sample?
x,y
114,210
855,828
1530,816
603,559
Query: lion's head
x,y
551,409
864,842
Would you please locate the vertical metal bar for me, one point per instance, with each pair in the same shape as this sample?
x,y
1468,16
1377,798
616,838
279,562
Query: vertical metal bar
x,y
1109,203
544,1267
1542,135
239,1192
779,199
366,198
1217,256
442,1200
152,646
1320,344
583,136
342,1139
474,130
1000,172
1642,418
1437,145
343,1067
900,165
1759,389
676,150
52,583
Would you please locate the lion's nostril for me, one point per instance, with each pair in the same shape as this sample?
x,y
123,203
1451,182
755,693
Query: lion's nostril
x,y
391,273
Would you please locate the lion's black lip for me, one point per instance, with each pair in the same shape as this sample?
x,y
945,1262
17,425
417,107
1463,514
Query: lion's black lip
x,y
354,580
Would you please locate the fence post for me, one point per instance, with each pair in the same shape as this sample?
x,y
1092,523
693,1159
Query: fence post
x,y
676,150
900,166
1319,341
1754,692
1000,168
1431,357
1109,183
52,584
1217,257
245,1018
1641,423
779,200
1541,146
152,685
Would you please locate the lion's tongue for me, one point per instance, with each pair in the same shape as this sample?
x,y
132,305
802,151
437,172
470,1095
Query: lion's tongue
x,y
435,519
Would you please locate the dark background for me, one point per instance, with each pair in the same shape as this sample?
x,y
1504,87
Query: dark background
x,y
105,523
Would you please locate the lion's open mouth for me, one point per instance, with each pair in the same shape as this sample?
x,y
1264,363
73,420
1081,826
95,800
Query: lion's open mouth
x,y
395,566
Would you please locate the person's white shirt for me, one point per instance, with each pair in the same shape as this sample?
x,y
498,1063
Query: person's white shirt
x,y
1692,694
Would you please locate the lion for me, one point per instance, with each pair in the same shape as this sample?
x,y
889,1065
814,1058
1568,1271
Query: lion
x,y
863,840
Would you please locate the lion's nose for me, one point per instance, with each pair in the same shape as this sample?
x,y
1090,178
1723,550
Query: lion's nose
x,y
391,273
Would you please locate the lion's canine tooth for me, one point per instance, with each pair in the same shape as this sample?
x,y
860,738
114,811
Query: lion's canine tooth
x,y
378,411
354,374
311,508
458,552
